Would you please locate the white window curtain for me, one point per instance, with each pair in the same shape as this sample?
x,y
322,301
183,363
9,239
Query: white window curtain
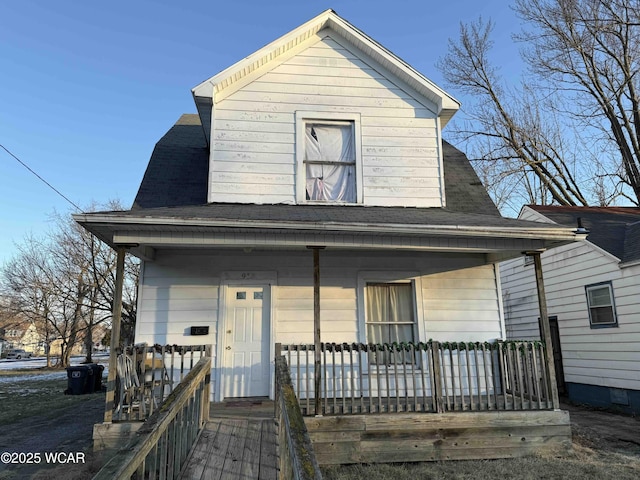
x,y
389,313
330,163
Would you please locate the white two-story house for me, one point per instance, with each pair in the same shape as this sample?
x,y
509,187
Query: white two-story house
x,y
323,144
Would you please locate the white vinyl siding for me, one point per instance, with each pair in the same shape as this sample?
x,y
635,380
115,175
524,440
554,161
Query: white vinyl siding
x,y
253,149
595,356
182,289
456,305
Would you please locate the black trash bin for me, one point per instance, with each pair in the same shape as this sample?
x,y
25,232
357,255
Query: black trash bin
x,y
90,384
97,376
77,379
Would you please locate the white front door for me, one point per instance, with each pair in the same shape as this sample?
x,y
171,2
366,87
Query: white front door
x,y
246,342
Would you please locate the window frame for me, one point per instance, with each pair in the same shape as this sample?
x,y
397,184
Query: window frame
x,y
612,305
301,120
413,308
414,279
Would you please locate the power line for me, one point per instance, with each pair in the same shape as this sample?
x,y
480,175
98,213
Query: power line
x,y
41,179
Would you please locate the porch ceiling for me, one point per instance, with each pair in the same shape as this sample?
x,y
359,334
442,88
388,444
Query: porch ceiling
x,y
296,226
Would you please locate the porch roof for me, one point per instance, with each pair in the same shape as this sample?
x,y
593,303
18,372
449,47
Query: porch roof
x,y
290,226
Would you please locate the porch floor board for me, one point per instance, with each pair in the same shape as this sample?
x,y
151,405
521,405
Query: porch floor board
x,y
238,442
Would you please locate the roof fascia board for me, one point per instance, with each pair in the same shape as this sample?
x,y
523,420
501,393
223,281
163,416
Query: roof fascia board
x,y
222,93
484,246
602,251
394,64
447,105
443,190
539,216
263,55
552,234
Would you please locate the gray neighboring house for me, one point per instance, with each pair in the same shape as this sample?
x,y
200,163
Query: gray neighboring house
x,y
321,145
593,297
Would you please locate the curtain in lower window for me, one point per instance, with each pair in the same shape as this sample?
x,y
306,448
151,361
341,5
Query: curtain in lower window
x,y
389,313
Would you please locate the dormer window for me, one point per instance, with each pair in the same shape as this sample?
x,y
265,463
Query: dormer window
x,y
330,162
328,151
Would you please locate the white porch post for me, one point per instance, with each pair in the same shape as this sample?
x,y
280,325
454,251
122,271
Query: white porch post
x,y
546,330
116,316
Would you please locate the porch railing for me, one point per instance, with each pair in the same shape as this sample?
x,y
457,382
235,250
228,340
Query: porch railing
x,y
159,449
147,375
295,452
422,377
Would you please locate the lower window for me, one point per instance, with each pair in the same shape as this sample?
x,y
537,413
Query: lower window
x,y
390,317
602,312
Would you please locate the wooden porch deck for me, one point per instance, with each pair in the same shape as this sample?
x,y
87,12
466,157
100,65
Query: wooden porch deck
x,y
238,442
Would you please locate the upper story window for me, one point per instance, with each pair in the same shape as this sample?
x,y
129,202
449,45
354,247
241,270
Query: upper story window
x,y
328,152
602,312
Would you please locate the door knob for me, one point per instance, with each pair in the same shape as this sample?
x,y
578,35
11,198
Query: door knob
x,y
228,348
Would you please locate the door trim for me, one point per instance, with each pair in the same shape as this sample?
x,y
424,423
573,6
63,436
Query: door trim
x,y
248,278
558,361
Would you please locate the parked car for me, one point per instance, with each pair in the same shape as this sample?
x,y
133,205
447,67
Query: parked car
x,y
18,354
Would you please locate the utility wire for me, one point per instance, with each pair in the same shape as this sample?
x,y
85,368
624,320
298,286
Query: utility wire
x,y
41,179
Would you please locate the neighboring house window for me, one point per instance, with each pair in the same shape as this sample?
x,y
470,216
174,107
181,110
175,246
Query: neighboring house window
x,y
390,316
602,311
328,152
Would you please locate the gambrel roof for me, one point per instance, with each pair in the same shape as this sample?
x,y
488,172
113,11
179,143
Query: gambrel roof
x,y
177,174
171,209
284,47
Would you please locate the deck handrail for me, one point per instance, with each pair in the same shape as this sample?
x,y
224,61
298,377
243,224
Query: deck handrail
x,y
145,376
161,446
422,377
295,455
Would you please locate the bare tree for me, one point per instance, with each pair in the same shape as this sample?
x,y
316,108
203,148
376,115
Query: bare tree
x,y
513,131
29,288
91,265
569,133
67,281
590,51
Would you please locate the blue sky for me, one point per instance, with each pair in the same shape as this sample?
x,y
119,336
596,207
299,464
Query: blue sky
x,y
87,88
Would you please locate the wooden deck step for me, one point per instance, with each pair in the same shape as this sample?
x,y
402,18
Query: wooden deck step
x,y
231,448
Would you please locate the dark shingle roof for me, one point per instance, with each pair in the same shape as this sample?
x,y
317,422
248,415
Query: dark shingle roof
x,y
614,229
177,174
327,215
632,242
463,189
178,168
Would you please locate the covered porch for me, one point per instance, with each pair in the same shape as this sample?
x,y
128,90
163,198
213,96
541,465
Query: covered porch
x,y
212,261
347,385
